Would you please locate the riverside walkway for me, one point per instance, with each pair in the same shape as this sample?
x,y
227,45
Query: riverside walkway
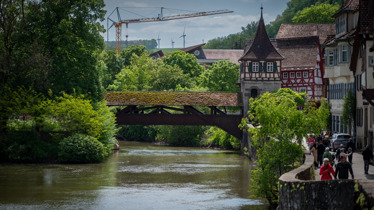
x,y
365,180
358,168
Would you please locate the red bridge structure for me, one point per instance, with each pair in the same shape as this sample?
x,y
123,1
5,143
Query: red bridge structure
x,y
179,108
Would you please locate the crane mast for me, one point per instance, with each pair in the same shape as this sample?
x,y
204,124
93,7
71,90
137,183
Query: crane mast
x,y
118,24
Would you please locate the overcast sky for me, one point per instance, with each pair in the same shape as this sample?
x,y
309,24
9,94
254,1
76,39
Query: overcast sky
x,y
196,29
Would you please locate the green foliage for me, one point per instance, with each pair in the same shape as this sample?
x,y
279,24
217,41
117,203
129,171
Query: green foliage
x,y
318,13
186,61
349,109
146,73
216,137
138,132
76,115
81,148
180,135
237,41
26,147
221,76
52,45
234,41
279,126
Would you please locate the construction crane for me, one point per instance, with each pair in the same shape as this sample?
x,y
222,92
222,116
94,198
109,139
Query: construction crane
x,y
161,17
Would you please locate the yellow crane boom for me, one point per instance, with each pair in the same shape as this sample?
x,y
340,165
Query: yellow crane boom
x,y
118,24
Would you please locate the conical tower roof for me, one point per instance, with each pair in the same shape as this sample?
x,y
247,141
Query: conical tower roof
x,y
261,47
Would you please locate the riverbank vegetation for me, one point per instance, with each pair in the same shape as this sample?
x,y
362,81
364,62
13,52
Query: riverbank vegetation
x,y
278,125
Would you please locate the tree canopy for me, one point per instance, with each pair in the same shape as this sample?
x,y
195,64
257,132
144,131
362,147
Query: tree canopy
x,y
277,131
318,13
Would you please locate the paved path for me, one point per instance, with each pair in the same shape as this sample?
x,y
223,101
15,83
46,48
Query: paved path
x,y
358,168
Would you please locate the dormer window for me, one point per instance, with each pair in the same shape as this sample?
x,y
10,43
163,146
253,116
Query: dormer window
x,y
341,24
255,67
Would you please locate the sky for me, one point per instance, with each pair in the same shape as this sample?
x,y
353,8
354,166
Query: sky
x,y
197,29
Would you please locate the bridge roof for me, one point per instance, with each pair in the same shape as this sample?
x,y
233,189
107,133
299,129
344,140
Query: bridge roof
x,y
232,99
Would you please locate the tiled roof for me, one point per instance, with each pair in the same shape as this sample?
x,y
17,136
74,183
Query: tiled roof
x,y
261,47
333,40
232,55
192,48
299,52
305,30
349,5
366,17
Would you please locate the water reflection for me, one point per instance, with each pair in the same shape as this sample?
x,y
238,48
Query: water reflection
x,y
139,176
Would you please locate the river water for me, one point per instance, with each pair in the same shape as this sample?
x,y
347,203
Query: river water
x,y
138,176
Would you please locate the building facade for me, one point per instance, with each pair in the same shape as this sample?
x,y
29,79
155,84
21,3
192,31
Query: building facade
x,y
362,66
338,51
260,66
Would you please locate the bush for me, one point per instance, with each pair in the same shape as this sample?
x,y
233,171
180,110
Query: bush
x,y
81,148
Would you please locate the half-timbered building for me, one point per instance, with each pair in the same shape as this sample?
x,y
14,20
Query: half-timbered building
x,y
260,65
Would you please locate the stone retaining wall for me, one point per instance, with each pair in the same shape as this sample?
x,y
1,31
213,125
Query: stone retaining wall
x,y
299,190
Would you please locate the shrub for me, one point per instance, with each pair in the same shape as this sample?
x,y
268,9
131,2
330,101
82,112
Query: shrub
x,y
81,148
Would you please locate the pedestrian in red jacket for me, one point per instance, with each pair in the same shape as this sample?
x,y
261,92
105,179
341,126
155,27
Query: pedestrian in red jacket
x,y
326,171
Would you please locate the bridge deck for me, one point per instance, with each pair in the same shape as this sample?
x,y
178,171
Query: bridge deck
x,y
230,99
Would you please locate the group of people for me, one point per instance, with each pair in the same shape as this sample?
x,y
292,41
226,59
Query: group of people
x,y
325,161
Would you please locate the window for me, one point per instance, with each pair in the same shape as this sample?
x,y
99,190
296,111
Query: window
x,y
330,57
298,74
255,67
292,74
359,121
305,74
303,90
344,53
371,60
355,20
269,67
340,24
285,75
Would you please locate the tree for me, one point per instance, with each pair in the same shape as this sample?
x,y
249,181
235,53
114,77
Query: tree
x,y
349,110
187,62
277,131
221,76
69,33
318,13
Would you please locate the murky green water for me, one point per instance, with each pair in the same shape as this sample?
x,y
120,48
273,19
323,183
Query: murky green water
x,y
139,176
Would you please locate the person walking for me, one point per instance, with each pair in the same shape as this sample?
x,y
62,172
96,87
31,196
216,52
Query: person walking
x,y
320,151
327,154
351,144
367,155
343,168
313,150
326,171
350,154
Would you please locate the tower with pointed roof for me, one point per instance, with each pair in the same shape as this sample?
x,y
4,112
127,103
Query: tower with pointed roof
x,y
260,65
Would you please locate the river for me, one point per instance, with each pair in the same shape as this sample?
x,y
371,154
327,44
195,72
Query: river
x,y
138,176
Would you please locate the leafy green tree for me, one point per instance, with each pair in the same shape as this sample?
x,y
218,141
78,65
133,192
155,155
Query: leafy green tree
x,y
349,110
146,73
221,76
318,13
219,138
277,132
135,77
180,135
186,61
69,33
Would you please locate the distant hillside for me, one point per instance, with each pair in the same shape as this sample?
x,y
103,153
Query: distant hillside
x,y
237,41
149,44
